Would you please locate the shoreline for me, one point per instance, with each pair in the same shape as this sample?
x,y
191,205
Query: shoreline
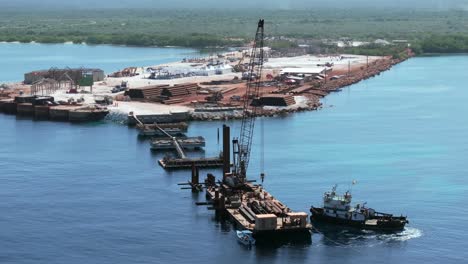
x,y
116,45
314,101
109,44
306,97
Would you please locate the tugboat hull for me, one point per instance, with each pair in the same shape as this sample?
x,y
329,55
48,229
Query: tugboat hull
x,y
381,222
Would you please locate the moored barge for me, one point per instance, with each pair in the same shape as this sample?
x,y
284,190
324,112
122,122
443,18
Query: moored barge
x,y
185,143
252,208
173,129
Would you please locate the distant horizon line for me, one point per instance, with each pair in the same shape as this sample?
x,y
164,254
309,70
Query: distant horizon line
x,y
14,9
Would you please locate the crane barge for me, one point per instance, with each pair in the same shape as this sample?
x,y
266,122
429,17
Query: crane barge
x,y
247,204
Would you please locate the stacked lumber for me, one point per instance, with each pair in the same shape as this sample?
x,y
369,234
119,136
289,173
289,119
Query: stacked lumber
x,y
289,99
247,213
321,93
301,90
228,90
277,100
180,90
191,87
147,92
283,90
174,101
270,207
161,92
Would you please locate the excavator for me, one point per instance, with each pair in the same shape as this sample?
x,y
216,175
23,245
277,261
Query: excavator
x,y
239,67
214,98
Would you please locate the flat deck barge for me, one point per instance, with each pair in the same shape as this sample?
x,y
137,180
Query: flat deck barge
x,y
173,129
253,208
185,143
249,206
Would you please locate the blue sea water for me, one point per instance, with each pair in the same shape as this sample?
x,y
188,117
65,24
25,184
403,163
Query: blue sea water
x,y
19,58
93,193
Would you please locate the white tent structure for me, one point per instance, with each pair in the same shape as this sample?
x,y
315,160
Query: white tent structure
x,y
306,71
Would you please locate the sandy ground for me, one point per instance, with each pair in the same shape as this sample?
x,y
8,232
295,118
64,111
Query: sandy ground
x,y
310,61
119,107
273,64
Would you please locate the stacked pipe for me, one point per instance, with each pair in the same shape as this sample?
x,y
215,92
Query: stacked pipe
x,y
301,90
180,89
247,213
257,208
147,92
174,101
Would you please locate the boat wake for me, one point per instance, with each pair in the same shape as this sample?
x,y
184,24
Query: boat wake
x,y
368,238
407,234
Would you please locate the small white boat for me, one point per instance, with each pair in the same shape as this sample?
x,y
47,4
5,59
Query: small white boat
x,y
245,237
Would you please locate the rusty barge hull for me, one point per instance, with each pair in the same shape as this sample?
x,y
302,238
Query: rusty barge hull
x,y
71,113
84,115
187,163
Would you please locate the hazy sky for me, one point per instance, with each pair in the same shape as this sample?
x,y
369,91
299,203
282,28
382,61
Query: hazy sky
x,y
284,4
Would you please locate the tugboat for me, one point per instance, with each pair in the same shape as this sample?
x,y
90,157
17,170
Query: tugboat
x,y
337,209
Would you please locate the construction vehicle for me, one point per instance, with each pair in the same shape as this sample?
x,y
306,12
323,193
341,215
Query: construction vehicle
x,y
120,88
104,100
249,76
215,97
127,72
242,145
235,98
239,67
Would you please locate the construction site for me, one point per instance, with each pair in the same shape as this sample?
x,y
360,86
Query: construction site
x,y
36,97
205,88
288,84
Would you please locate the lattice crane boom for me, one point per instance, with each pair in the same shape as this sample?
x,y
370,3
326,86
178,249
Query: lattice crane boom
x,y
242,146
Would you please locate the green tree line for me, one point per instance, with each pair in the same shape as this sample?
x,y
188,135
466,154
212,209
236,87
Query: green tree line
x,y
427,31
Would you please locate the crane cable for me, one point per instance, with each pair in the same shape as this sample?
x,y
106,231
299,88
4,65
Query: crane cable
x,y
262,150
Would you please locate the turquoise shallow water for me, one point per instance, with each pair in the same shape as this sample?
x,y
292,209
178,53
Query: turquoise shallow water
x,y
93,193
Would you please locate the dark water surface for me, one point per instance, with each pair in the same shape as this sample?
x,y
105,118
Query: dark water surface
x,y
93,193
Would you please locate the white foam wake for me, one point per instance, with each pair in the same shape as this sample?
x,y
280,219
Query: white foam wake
x,y
407,234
